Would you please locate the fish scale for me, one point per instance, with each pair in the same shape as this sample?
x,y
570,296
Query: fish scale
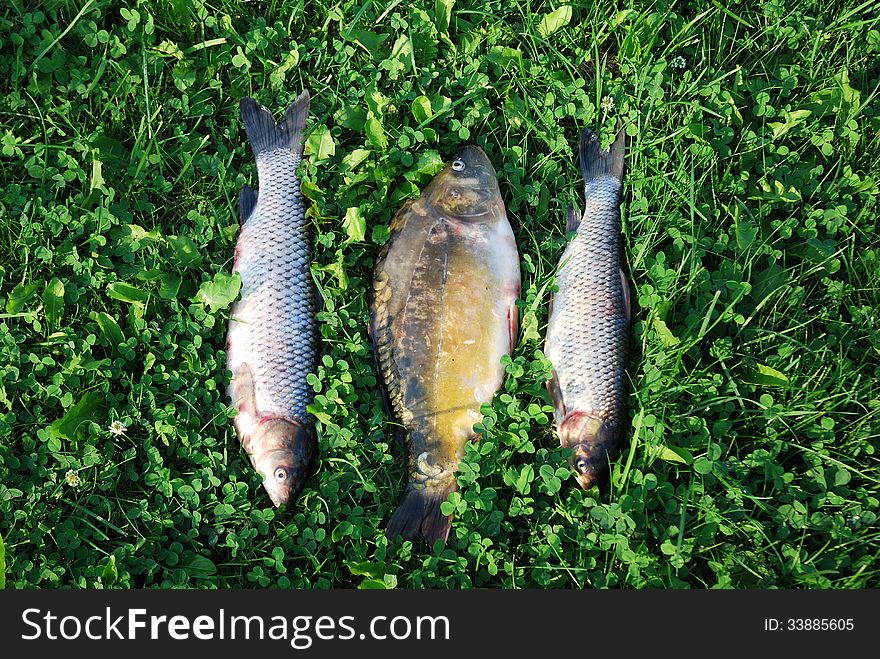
x,y
273,261
587,331
272,337
591,378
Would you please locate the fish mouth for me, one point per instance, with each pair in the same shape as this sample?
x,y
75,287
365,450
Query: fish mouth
x,y
474,156
467,188
279,499
477,167
593,445
472,215
591,469
287,459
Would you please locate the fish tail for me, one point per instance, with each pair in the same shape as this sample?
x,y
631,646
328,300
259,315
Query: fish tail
x,y
420,510
266,135
595,162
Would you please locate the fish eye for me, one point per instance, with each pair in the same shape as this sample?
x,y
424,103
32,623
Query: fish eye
x,y
459,166
280,474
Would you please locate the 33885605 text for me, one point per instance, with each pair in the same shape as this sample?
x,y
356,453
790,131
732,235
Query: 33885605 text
x,y
808,624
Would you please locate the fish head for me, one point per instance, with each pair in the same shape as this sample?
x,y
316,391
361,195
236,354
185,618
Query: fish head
x,y
593,444
286,450
466,187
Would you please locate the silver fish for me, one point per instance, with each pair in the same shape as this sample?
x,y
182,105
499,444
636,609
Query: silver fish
x,y
272,337
587,332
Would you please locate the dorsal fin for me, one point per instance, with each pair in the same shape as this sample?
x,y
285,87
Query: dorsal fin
x,y
572,219
247,200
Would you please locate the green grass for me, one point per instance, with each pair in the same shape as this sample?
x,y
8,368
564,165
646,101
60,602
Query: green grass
x,y
750,219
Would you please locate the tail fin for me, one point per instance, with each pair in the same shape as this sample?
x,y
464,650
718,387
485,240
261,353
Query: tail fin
x,y
595,162
265,135
420,509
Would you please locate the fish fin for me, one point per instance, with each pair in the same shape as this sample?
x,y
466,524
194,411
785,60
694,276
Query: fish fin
x,y
247,200
245,401
243,389
399,219
595,162
387,377
266,135
572,218
627,296
555,392
420,510
513,325
383,387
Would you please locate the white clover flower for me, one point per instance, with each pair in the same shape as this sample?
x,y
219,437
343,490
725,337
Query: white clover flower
x,y
679,63
72,478
117,428
607,104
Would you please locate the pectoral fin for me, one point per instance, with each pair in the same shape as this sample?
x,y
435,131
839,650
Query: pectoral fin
x,y
513,325
245,400
555,392
243,388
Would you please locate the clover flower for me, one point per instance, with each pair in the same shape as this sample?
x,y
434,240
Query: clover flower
x,y
72,478
117,428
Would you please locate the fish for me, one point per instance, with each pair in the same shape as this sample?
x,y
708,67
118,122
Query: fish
x,y
442,315
272,337
589,319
